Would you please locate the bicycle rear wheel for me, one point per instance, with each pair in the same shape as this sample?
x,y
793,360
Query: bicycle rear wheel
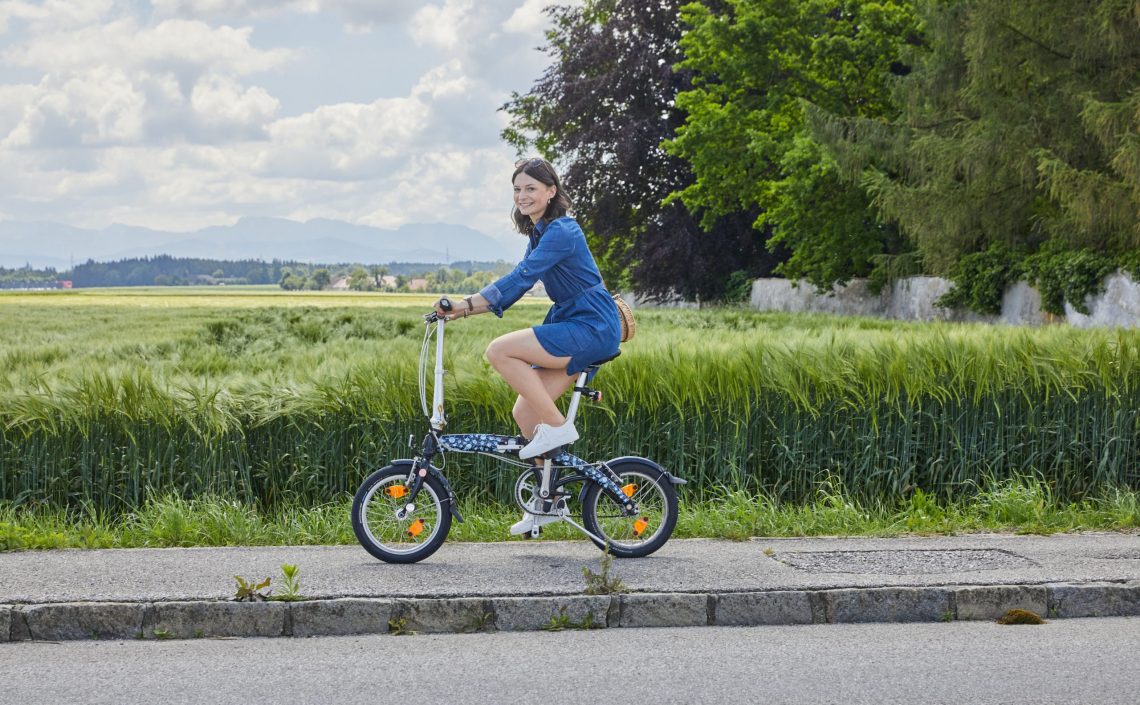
x,y
641,534
385,526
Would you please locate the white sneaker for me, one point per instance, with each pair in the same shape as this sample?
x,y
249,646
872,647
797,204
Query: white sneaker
x,y
547,437
530,521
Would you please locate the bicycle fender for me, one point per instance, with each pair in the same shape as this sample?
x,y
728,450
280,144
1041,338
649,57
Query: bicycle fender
x,y
452,503
673,480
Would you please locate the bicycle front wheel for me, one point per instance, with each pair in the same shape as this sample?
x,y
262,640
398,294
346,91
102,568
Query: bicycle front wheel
x,y
643,533
391,528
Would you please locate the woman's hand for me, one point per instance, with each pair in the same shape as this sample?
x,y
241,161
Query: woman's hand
x,y
457,307
445,308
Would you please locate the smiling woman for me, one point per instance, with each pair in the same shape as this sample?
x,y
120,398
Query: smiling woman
x,y
581,328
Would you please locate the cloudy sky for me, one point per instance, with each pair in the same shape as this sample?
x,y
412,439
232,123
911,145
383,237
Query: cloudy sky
x,y
178,114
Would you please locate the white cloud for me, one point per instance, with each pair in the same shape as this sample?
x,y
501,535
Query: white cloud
x,y
182,45
359,15
219,101
161,122
119,83
528,18
343,141
98,107
213,9
53,14
443,27
446,80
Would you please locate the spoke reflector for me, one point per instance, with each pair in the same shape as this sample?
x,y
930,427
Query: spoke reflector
x,y
396,491
416,528
629,489
640,526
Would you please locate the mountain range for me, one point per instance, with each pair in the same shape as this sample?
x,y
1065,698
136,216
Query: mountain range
x,y
43,244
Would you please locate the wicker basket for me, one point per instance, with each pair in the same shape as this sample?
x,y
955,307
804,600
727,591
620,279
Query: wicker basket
x,y
625,313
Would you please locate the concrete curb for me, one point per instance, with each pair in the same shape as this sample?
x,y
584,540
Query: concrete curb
x,y
341,616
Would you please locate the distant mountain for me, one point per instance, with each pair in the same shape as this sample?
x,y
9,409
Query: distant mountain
x,y
319,240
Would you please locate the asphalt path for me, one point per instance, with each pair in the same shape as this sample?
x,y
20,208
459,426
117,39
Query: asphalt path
x,y
555,567
1087,661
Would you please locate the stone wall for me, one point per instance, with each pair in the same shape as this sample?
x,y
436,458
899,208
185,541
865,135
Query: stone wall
x,y
912,299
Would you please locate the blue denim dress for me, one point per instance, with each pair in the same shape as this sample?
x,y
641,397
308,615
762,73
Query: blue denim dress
x,y
583,323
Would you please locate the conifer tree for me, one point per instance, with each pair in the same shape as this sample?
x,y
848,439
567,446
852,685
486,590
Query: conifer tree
x,y
1018,127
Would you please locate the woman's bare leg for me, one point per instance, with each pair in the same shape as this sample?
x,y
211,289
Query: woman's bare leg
x,y
556,383
512,356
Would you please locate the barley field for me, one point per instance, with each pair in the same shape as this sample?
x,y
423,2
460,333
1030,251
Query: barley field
x,y
108,397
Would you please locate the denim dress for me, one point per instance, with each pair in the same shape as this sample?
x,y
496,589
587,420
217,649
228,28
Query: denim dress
x,y
583,323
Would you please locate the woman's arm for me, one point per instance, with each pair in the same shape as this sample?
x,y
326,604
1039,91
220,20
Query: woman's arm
x,y
557,243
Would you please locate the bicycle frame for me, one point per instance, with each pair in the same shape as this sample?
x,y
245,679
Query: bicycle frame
x,y
501,446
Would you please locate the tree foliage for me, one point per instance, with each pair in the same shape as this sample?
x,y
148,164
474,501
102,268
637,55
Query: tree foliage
x,y
29,278
601,111
1018,125
756,65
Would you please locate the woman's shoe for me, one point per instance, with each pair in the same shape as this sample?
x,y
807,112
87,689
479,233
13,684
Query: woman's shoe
x,y
547,437
530,521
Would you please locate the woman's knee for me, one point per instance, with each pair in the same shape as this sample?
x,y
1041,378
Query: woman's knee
x,y
496,352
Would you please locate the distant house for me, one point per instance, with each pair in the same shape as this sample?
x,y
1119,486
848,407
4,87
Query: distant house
x,y
64,284
340,284
388,281
417,284
539,289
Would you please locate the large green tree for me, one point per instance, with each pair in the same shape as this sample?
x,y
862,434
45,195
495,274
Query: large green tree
x,y
1018,126
757,65
601,112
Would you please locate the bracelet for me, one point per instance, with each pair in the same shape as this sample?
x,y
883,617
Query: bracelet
x,y
470,306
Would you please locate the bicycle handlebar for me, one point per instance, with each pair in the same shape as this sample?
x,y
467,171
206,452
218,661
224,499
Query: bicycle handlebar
x,y
445,304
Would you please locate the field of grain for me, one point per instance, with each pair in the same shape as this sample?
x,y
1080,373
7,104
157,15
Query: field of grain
x,y
108,397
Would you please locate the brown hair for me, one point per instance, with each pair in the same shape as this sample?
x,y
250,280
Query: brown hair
x,y
542,171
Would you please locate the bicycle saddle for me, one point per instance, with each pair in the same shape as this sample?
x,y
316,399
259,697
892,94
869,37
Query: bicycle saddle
x,y
599,363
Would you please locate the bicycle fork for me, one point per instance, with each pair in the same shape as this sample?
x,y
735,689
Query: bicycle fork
x,y
421,467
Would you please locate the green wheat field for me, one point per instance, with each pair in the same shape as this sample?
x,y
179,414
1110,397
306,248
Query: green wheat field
x,y
113,399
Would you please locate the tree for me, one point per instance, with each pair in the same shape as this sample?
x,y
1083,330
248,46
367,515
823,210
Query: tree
x,y
756,65
378,274
321,278
1018,127
292,282
601,111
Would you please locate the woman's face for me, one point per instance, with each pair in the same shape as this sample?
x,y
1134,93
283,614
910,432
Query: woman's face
x,y
531,196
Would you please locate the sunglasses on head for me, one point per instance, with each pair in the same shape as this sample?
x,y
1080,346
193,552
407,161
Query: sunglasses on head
x,y
528,163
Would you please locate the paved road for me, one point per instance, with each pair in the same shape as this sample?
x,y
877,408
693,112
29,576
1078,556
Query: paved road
x,y
555,567
1087,661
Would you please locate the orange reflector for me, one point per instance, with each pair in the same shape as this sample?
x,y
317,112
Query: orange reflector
x,y
416,528
397,491
629,489
640,526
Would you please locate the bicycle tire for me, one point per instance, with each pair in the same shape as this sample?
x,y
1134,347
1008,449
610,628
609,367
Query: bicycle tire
x,y
390,537
624,536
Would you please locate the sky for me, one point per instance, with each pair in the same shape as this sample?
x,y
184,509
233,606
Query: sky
x,y
181,114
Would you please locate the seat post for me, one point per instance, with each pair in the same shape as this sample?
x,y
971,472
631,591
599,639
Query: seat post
x,y
572,411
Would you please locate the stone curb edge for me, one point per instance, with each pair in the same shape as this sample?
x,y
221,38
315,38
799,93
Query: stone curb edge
x,y
343,616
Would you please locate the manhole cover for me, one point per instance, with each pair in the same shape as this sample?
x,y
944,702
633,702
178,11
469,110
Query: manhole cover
x,y
903,562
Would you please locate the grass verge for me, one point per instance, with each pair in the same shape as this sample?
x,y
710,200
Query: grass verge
x,y
1019,507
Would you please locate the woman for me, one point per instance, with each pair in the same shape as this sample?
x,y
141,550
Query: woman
x,y
542,362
